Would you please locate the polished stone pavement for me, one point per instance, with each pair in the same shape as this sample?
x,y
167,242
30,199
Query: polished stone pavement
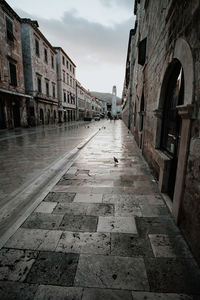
x,y
103,232
25,153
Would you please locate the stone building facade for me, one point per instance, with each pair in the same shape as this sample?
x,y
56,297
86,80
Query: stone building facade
x,y
13,101
165,102
81,101
39,58
127,93
66,78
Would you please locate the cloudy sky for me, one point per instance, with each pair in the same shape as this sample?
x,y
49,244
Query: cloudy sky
x,y
94,33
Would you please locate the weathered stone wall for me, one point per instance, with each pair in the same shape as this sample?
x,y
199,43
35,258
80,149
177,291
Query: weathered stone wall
x,y
10,51
163,23
12,102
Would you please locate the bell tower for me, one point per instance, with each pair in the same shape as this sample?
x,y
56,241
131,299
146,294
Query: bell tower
x,y
114,101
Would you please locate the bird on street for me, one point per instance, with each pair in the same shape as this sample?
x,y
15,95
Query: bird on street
x,y
115,160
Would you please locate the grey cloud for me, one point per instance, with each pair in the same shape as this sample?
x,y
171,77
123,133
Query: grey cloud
x,y
87,43
84,40
126,3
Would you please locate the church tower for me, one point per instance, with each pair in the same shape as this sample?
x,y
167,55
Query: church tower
x,y
114,101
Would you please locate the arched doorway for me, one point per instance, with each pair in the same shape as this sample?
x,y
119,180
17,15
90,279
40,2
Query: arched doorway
x,y
177,77
171,121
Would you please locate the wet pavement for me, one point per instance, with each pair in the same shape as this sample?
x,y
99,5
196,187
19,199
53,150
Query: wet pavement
x,y
102,232
25,153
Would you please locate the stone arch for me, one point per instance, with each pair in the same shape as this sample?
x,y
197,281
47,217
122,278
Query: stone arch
x,y
183,54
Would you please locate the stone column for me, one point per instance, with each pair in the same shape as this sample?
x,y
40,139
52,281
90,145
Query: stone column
x,y
186,112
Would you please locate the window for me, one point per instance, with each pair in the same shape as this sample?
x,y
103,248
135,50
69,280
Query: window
x,y
142,52
47,88
63,76
39,84
70,81
64,96
70,68
63,60
13,74
73,70
67,64
53,90
9,27
52,61
68,97
45,55
37,48
67,78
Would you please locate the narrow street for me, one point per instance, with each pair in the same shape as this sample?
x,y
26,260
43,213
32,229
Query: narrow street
x,y
102,232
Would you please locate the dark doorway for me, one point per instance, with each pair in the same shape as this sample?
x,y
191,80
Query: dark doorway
x,y
48,116
172,121
41,116
2,116
16,113
65,116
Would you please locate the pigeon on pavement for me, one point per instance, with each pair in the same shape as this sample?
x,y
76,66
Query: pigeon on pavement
x,y
115,160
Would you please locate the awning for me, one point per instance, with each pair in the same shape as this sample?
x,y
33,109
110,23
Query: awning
x,y
16,93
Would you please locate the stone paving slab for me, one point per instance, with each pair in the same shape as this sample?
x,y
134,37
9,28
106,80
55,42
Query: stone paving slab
x,y
15,264
159,296
54,269
127,210
149,210
120,199
111,272
46,207
173,275
84,242
169,246
117,224
91,209
129,245
60,197
34,239
106,294
79,223
43,221
156,225
88,198
17,290
49,292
